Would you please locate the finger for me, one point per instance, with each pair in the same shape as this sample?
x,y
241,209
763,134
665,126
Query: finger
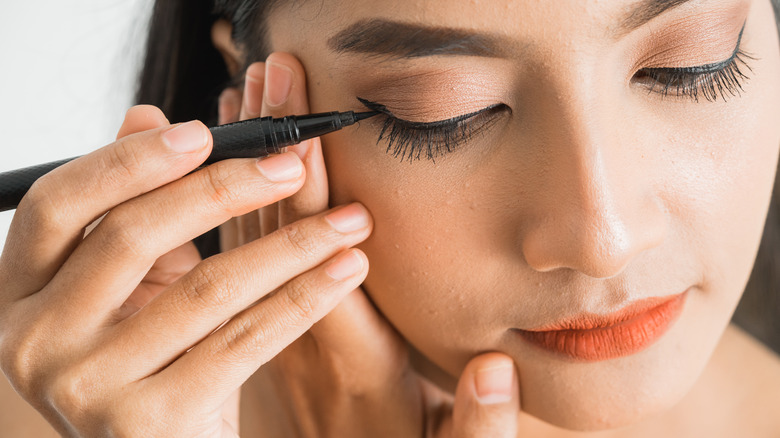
x,y
228,235
248,227
228,111
228,430
223,285
142,118
487,399
284,94
251,104
229,106
232,233
135,234
165,271
138,118
50,219
228,357
230,411
357,335
267,217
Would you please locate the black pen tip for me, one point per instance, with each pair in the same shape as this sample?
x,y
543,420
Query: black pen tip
x,y
350,117
365,115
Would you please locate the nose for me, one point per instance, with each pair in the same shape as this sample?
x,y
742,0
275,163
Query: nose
x,y
596,209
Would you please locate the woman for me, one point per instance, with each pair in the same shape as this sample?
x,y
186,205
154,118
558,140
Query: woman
x,y
565,205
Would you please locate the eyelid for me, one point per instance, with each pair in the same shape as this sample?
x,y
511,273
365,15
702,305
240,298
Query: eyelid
x,y
704,68
427,125
724,78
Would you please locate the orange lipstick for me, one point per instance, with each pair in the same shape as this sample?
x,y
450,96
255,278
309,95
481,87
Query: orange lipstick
x,y
592,338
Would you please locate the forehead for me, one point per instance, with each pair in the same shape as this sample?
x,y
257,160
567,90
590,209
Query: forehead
x,y
594,18
539,35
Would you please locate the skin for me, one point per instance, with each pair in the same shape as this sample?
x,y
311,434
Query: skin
x,y
109,316
574,220
580,201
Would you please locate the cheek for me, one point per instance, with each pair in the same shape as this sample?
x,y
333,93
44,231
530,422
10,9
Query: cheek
x,y
429,223
721,176
721,200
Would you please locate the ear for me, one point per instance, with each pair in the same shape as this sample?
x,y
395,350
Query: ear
x,y
221,37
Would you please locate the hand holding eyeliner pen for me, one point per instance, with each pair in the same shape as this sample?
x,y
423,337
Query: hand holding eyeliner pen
x,y
252,138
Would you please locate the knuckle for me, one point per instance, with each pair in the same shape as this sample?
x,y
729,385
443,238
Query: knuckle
x,y
302,299
300,241
19,354
239,337
119,232
69,390
221,188
209,285
123,161
40,208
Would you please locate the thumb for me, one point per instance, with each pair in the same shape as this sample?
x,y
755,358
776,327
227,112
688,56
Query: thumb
x,y
487,399
142,118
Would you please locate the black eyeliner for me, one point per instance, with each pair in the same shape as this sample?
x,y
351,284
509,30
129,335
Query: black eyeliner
x,y
379,108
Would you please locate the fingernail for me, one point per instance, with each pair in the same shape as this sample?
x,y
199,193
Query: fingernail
x,y
348,219
187,137
280,168
494,384
345,266
278,82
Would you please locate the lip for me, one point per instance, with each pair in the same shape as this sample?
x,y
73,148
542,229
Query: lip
x,y
590,337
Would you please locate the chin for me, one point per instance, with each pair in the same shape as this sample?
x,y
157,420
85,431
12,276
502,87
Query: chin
x,y
598,414
581,400
610,394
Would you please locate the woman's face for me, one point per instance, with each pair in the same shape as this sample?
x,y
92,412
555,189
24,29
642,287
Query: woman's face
x,y
583,192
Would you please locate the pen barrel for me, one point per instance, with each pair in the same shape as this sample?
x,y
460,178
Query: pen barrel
x,y
14,184
315,125
245,139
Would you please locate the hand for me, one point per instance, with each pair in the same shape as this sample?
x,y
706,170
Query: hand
x,y
117,332
350,376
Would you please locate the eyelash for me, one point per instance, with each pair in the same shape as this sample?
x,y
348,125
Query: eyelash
x,y
710,80
412,141
415,140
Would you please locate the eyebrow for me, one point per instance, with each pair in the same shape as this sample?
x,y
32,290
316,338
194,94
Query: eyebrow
x,y
405,40
644,11
382,37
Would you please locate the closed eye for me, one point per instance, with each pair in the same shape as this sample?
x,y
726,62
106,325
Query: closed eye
x,y
409,140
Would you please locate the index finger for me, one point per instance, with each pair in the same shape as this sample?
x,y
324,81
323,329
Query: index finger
x,y
50,220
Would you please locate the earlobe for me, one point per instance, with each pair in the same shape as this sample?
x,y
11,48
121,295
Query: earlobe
x,y
221,37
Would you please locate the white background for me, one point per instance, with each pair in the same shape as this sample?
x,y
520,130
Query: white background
x,y
67,77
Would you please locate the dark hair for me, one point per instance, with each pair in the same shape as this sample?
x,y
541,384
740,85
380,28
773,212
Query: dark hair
x,y
183,74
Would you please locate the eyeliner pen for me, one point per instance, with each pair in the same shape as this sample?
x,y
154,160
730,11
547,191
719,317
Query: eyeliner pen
x,y
252,138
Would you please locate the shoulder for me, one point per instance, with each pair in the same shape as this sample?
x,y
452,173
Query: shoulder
x,y
17,418
753,373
